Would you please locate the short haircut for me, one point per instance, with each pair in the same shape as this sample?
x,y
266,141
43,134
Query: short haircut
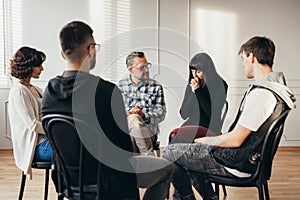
x,y
73,36
24,60
132,55
262,48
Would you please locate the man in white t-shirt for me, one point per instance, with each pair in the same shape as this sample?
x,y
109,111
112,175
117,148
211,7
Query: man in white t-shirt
x,y
209,155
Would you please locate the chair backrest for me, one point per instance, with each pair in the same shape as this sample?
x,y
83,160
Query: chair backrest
x,y
224,113
269,148
74,161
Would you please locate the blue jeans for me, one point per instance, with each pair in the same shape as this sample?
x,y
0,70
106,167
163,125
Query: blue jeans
x,y
192,164
43,152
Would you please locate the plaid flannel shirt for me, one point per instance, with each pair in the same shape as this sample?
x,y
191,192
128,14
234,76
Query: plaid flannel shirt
x,y
148,94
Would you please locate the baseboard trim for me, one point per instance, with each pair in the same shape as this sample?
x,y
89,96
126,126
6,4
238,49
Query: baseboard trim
x,y
289,148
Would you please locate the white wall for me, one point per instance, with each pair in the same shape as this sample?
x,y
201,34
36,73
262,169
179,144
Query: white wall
x,y
42,21
170,32
222,26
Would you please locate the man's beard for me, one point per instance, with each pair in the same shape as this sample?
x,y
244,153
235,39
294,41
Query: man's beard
x,y
144,77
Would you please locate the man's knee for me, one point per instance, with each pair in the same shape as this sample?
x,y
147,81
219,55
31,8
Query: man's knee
x,y
152,170
135,120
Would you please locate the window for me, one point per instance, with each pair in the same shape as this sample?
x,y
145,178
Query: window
x,y
123,26
10,34
112,22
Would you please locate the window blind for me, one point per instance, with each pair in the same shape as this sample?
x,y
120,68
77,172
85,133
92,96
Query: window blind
x,y
10,34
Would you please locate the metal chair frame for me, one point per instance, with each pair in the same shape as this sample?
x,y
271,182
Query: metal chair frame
x,y
37,165
260,177
63,174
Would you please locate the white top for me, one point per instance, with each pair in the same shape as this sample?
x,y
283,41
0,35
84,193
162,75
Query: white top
x,y
259,104
24,114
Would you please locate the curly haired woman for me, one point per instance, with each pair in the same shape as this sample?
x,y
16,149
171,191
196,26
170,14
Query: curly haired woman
x,y
28,137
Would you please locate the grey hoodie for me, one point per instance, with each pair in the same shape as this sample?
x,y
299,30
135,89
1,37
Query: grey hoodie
x,y
275,81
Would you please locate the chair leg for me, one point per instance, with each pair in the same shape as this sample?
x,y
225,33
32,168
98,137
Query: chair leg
x,y
158,153
260,192
206,189
46,184
22,186
168,195
266,188
224,190
60,197
168,192
217,189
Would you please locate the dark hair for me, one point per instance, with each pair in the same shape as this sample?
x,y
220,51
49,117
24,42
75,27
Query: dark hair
x,y
211,78
132,55
24,60
72,36
204,63
262,48
213,83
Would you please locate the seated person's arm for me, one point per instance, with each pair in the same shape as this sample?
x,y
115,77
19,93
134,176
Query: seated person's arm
x,y
25,109
136,110
188,103
157,112
235,138
253,116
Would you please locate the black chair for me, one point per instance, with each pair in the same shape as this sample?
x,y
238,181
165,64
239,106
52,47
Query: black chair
x,y
156,148
37,165
72,160
263,171
223,116
224,113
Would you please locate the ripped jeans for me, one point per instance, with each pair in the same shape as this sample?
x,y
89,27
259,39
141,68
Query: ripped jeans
x,y
192,164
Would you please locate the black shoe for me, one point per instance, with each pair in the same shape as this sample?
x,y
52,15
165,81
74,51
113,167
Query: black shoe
x,y
176,195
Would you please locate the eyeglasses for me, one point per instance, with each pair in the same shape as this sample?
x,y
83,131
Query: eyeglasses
x,y
96,46
142,67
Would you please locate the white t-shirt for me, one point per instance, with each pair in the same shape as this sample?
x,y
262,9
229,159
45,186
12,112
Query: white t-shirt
x,y
258,105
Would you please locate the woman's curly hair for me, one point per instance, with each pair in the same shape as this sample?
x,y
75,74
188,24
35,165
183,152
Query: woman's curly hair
x,y
24,60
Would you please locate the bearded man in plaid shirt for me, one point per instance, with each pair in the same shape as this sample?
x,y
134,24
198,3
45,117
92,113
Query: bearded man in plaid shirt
x,y
144,103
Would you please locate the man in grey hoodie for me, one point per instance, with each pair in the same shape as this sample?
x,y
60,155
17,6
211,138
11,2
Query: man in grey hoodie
x,y
227,154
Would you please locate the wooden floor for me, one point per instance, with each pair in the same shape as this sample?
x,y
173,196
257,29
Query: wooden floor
x,y
284,183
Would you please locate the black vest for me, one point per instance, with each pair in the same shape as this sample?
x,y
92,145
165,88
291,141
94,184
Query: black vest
x,y
244,158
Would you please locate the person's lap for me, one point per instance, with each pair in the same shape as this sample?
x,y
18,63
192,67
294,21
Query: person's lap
x,y
194,157
187,134
140,133
197,162
151,170
43,151
153,173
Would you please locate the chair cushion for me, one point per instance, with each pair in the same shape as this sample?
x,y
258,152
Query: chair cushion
x,y
41,165
187,134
